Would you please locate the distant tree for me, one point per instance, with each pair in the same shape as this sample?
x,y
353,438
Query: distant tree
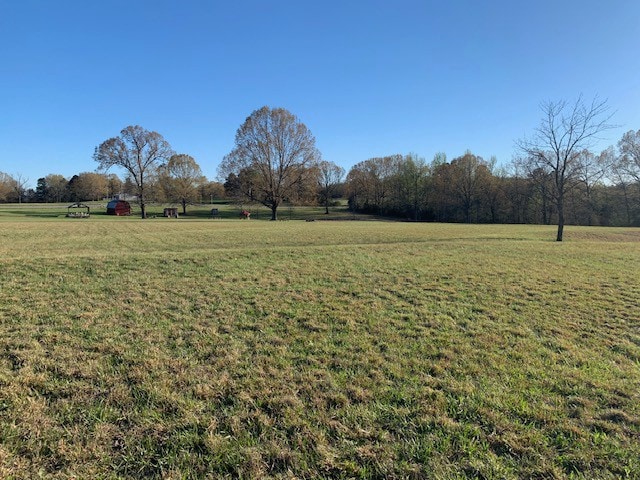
x,y
629,161
412,177
19,184
440,158
440,188
129,187
89,186
305,191
114,185
469,177
242,186
30,195
279,148
494,192
208,191
232,186
625,173
56,185
516,192
622,189
541,200
139,152
41,190
371,184
180,178
329,177
72,190
564,132
592,169
6,187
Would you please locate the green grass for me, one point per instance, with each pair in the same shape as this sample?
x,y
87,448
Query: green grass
x,y
196,348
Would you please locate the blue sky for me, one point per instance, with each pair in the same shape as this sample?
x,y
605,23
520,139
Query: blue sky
x,y
369,78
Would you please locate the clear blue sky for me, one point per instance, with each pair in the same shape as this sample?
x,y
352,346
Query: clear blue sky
x,y
369,78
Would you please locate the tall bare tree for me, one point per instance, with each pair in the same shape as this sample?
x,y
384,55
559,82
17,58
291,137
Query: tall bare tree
x,y
329,177
279,148
19,185
565,130
139,152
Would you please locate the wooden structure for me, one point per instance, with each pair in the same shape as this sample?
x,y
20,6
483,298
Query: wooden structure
x,y
118,207
171,212
78,210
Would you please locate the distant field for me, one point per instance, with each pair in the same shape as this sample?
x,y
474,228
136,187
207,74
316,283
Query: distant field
x,y
198,348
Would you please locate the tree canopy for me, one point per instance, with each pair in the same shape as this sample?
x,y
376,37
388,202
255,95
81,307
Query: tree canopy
x,y
180,177
278,150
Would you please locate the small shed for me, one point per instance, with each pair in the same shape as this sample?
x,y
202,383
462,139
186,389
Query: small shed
x,y
118,207
78,210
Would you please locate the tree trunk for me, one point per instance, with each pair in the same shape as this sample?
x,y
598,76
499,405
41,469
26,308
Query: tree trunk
x,y
143,208
627,203
184,206
560,220
274,214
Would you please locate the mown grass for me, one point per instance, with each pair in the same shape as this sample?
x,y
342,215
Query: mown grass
x,y
242,349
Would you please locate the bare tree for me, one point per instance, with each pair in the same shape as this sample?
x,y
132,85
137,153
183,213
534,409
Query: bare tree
x,y
329,177
18,185
280,149
138,151
564,132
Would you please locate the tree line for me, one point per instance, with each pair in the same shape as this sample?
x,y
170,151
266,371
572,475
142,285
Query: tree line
x,y
602,191
555,178
92,186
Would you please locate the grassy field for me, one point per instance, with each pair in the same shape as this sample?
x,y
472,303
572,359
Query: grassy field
x,y
197,348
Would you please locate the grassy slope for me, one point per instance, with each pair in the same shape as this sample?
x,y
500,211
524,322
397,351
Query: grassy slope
x,y
181,349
